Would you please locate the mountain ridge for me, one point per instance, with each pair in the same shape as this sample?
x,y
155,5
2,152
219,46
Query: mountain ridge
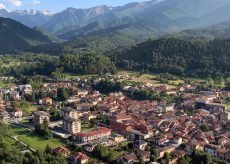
x,y
16,36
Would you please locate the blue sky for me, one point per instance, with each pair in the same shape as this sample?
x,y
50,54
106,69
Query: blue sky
x,y
58,5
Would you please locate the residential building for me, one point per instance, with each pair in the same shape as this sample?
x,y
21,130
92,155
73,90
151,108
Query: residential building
x,y
100,133
79,158
69,112
82,93
40,117
62,150
47,101
168,108
71,125
128,158
225,116
140,144
168,149
17,113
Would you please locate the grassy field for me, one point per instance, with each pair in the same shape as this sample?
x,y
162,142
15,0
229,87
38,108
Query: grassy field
x,y
87,127
176,82
38,142
17,130
151,79
72,76
146,78
34,140
135,76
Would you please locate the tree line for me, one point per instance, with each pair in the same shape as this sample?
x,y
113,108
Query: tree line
x,y
29,64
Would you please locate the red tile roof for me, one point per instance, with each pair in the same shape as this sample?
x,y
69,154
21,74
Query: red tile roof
x,y
100,130
61,150
79,156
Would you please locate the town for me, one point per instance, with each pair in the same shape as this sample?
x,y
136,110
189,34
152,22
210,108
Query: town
x,y
112,123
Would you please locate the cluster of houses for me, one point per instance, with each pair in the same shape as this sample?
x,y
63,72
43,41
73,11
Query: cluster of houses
x,y
165,125
15,93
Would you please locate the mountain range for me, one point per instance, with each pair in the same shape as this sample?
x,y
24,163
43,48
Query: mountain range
x,y
105,28
142,20
30,18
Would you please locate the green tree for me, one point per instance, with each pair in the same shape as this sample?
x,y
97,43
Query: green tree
x,y
141,160
166,156
57,73
153,158
182,160
220,82
204,127
62,94
155,152
48,150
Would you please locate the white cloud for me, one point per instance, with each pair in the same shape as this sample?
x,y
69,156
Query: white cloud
x,y
36,2
2,6
15,2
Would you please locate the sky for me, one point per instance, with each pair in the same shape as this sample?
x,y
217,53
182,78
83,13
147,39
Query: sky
x,y
59,5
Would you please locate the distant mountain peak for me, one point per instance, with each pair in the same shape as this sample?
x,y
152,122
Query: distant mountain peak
x,y
96,8
33,12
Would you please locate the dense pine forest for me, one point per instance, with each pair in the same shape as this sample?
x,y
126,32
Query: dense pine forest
x,y
197,58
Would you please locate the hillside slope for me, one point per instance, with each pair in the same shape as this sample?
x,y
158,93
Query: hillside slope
x,y
14,35
220,30
177,56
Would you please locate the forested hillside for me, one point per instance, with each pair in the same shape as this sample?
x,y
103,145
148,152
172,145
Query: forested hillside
x,y
220,30
177,56
16,36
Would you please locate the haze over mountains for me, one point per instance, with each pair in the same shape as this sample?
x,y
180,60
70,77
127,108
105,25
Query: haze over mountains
x,y
129,24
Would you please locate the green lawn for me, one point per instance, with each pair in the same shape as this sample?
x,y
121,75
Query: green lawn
x,y
17,130
85,127
34,140
38,142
